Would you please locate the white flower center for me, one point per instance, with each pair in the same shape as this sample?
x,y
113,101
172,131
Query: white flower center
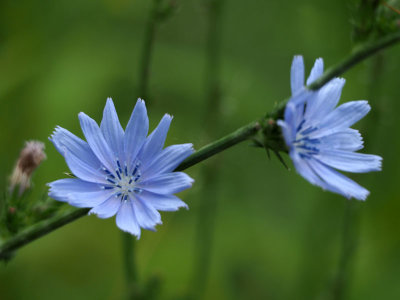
x,y
123,181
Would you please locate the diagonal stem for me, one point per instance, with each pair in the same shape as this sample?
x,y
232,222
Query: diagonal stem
x,y
244,133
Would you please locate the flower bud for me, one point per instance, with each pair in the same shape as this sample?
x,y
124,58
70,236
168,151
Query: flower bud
x,y
29,159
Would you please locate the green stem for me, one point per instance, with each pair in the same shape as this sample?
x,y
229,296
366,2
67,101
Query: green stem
x,y
128,248
37,230
128,241
147,51
239,135
207,208
40,229
349,245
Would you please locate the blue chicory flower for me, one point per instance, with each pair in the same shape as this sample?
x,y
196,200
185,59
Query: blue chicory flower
x,y
124,173
319,136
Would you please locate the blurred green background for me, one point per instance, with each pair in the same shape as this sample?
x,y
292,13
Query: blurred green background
x,y
275,235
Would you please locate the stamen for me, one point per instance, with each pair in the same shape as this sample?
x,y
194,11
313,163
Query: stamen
x,y
109,180
137,177
118,174
119,166
135,170
126,170
107,187
137,190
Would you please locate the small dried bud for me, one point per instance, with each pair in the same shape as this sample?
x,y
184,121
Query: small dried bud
x,y
29,159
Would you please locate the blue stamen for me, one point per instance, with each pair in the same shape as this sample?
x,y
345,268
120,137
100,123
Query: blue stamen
x,y
126,170
300,125
309,130
108,187
109,180
137,190
119,175
135,170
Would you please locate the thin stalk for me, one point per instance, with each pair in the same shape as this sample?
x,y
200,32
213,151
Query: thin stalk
x,y
353,210
37,230
128,248
349,246
207,209
147,50
128,241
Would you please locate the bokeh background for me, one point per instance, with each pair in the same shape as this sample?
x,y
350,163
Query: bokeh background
x,y
275,236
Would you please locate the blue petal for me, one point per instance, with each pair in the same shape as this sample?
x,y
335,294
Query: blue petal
x,y
89,199
350,161
337,182
63,139
126,219
169,183
316,71
163,202
346,115
325,101
107,208
348,139
297,74
97,142
168,159
303,168
112,130
82,170
60,189
136,131
155,142
146,215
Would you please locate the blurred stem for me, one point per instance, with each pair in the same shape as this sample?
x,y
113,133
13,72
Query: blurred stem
x,y
207,207
349,246
128,241
353,210
147,50
128,248
243,133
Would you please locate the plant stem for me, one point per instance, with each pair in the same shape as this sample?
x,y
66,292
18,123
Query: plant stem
x,y
40,229
207,208
239,135
37,230
128,241
349,245
147,50
128,247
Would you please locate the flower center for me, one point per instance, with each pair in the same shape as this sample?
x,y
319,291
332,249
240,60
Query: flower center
x,y
123,180
305,145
